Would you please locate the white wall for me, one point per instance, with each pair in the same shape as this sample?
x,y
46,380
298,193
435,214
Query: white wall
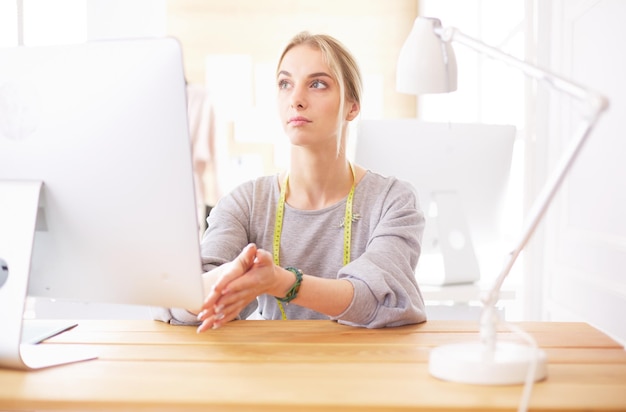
x,y
584,251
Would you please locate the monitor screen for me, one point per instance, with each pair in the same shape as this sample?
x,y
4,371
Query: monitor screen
x,y
103,127
461,175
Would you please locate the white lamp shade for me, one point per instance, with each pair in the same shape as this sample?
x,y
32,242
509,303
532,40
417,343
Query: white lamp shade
x,y
426,63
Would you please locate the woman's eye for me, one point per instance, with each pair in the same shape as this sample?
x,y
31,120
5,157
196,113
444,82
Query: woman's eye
x,y
283,84
318,84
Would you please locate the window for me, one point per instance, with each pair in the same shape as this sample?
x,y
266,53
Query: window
x,y
488,91
42,22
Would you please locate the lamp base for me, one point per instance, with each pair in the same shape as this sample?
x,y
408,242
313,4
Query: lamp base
x,y
474,363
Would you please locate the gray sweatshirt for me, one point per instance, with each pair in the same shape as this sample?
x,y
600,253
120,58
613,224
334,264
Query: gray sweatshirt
x,y
386,234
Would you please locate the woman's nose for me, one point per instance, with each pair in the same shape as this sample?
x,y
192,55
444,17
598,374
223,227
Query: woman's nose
x,y
297,98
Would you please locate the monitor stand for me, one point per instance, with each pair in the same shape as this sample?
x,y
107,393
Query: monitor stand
x,y
19,205
448,256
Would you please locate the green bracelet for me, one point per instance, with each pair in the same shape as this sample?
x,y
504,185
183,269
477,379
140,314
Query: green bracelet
x,y
293,292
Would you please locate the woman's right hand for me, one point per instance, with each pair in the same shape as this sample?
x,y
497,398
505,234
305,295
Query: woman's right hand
x,y
212,313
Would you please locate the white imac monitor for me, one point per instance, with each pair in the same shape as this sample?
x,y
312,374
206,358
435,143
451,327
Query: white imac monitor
x,y
461,175
96,184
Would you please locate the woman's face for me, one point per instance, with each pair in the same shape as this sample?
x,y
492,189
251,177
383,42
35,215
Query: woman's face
x,y
308,98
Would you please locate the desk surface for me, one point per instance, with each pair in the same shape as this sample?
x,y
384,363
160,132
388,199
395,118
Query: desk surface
x,y
306,366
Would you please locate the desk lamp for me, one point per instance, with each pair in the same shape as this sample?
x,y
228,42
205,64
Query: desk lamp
x,y
427,65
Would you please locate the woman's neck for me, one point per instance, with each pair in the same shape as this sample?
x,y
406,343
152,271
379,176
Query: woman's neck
x,y
316,183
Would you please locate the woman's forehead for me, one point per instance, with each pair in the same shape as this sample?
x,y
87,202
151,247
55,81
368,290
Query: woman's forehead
x,y
304,57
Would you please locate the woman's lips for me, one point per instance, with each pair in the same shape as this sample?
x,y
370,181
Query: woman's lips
x,y
298,121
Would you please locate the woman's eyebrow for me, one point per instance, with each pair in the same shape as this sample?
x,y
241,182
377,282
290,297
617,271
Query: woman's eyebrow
x,y
317,74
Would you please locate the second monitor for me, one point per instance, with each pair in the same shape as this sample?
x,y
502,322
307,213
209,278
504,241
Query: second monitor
x,y
461,174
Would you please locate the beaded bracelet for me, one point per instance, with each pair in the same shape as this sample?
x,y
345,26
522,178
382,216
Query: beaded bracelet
x,y
293,292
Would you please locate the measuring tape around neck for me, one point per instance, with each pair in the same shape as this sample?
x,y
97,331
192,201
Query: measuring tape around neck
x,y
278,226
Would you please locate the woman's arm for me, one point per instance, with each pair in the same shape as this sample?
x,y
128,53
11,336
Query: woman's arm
x,y
234,285
385,289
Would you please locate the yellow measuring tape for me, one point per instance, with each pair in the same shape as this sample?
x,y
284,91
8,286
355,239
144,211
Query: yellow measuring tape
x,y
278,227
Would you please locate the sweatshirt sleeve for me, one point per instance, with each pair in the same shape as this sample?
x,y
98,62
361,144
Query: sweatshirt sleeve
x,y
386,292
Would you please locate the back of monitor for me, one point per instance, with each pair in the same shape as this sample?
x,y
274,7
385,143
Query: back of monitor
x,y
461,174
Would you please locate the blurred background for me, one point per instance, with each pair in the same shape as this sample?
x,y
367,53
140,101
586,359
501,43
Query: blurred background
x,y
572,269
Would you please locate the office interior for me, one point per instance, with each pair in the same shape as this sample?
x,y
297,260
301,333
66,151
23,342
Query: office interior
x,y
571,270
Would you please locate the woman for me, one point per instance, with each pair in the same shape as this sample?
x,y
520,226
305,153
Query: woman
x,y
327,239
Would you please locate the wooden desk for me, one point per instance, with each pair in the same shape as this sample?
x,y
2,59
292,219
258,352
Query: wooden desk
x,y
305,366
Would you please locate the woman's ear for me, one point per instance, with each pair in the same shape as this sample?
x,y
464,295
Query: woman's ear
x,y
354,110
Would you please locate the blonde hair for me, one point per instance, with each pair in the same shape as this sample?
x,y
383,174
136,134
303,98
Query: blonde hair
x,y
343,68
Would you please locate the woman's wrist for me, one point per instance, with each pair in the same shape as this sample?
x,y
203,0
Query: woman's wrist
x,y
292,293
287,280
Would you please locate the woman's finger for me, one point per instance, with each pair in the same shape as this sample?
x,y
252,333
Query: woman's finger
x,y
227,314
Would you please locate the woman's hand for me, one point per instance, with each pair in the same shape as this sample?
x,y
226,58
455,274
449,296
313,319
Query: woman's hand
x,y
251,274
224,274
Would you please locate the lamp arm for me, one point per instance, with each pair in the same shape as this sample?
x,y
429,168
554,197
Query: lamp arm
x,y
596,105
540,205
597,102
537,211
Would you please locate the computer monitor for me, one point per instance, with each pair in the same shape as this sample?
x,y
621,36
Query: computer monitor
x,y
461,174
96,183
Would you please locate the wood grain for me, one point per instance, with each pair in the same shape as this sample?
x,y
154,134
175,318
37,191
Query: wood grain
x,y
306,366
